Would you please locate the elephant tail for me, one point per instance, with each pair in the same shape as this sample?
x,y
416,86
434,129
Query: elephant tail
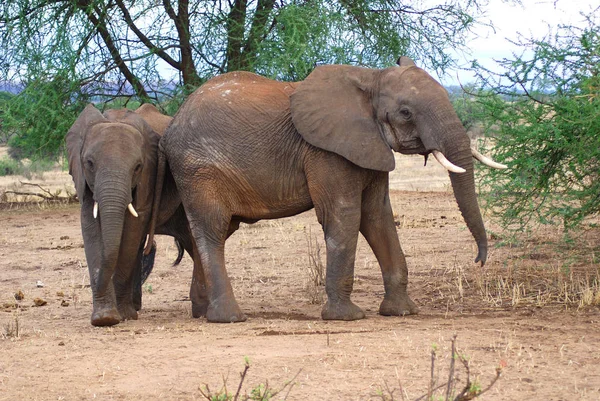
x,y
180,251
160,178
148,262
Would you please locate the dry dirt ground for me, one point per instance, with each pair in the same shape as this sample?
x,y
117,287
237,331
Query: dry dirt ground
x,y
533,309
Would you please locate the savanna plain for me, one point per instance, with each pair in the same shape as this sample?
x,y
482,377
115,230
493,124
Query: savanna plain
x,y
533,310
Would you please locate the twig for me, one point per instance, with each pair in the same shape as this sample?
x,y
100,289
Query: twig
x,y
291,384
432,390
432,379
242,377
466,394
451,372
38,186
27,194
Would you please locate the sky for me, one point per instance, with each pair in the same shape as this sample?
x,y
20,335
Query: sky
x,y
532,19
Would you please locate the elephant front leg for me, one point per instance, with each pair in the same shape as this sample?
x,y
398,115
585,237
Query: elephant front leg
x,y
127,291
378,228
104,312
104,301
341,235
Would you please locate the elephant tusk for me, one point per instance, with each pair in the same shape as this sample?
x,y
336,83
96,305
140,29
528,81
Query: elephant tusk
x,y
487,161
132,210
95,211
439,156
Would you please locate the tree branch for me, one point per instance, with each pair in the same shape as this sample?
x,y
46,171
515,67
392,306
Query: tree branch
x,y
145,40
99,23
258,32
235,34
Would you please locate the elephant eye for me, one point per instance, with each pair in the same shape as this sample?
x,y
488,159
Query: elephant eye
x,y
90,164
405,113
138,168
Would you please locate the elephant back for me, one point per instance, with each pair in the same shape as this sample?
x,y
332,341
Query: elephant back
x,y
230,107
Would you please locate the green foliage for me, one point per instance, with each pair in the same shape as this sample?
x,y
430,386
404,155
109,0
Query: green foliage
x,y
544,115
4,98
10,166
39,117
470,112
262,392
371,33
67,52
144,48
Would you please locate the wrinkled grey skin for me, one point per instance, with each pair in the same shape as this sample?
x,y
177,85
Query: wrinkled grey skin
x,y
244,148
113,161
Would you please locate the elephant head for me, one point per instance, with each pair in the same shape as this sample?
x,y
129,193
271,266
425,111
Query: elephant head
x,y
112,159
364,114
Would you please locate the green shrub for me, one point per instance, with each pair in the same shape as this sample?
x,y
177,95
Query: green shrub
x,y
39,117
544,114
10,166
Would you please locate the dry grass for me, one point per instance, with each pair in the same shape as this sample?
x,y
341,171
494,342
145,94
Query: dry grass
x,y
530,273
12,329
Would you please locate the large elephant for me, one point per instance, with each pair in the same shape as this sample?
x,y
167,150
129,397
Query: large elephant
x,y
244,148
113,162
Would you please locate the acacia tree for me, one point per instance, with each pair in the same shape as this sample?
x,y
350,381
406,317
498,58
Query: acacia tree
x,y
142,41
153,49
544,114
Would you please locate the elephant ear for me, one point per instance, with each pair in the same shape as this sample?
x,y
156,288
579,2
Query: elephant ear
x,y
332,110
404,61
75,139
157,120
145,188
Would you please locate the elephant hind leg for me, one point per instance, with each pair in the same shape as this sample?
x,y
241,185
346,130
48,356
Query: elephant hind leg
x,y
210,225
198,292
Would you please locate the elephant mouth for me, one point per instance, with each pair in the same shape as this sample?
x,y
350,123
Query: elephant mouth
x,y
405,146
412,147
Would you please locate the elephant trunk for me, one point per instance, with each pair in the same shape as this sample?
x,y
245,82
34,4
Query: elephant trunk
x,y
112,199
456,147
463,185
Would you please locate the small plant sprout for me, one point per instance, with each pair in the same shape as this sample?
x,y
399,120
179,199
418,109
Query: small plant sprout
x,y
471,390
261,392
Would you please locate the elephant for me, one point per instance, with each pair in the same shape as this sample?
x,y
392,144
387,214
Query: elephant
x,y
113,163
243,148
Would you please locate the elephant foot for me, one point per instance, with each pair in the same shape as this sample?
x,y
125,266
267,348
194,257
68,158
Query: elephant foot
x,y
106,317
341,310
225,312
128,312
398,307
199,309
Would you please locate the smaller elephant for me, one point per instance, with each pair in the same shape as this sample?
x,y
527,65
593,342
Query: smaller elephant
x,y
113,163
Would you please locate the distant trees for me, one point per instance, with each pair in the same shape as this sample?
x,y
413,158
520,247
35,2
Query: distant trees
x,y
544,113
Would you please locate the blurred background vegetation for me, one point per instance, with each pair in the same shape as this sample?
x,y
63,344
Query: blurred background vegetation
x,y
538,112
